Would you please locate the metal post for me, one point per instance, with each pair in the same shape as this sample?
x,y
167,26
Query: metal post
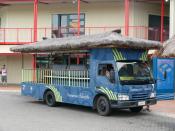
x,y
78,59
35,20
4,36
78,12
172,18
69,76
162,20
35,24
22,75
126,17
51,77
17,32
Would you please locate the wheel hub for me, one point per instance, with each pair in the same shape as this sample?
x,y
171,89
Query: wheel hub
x,y
102,105
49,99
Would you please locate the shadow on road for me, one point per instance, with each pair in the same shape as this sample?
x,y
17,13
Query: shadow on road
x,y
89,110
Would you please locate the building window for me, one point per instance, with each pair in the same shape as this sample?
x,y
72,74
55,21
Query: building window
x,y
154,28
64,25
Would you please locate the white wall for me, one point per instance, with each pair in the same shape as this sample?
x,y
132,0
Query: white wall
x,y
21,16
14,66
97,14
140,17
143,10
106,14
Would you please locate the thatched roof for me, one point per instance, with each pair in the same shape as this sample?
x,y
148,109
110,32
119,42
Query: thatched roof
x,y
168,49
105,40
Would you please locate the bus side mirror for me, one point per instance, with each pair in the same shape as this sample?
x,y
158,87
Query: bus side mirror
x,y
165,75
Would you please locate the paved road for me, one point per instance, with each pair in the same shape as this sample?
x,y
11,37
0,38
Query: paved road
x,y
19,113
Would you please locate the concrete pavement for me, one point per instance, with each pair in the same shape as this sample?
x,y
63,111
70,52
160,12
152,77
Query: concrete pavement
x,y
164,108
19,113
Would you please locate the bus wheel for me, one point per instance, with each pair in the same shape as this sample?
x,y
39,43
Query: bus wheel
x,y
50,99
136,109
103,106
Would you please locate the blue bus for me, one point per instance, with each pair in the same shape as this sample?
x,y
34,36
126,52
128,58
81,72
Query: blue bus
x,y
112,72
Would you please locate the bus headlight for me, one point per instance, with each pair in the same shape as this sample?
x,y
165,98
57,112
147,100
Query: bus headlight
x,y
123,97
153,95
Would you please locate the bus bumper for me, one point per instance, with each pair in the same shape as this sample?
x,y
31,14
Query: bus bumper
x,y
129,104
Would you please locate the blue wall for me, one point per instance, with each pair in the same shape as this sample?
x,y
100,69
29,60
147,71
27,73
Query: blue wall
x,y
165,87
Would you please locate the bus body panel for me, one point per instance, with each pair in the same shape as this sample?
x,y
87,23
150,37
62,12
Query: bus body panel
x,y
72,95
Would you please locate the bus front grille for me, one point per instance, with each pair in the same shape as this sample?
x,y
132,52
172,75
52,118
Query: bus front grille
x,y
140,96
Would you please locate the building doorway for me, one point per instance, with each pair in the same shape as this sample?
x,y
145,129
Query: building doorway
x,y
155,27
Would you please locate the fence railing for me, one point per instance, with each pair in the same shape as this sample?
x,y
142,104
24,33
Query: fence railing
x,y
25,35
75,78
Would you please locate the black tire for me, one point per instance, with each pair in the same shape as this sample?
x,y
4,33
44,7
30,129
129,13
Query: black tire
x,y
136,109
103,106
50,99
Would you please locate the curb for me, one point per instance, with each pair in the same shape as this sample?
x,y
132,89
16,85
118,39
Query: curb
x,y
164,114
10,91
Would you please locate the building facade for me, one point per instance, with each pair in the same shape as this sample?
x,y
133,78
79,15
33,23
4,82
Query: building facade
x,y
28,21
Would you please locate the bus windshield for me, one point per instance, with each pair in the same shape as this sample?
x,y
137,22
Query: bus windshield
x,y
135,72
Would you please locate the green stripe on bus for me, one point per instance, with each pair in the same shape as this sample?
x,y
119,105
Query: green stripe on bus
x,y
123,58
146,52
118,55
144,56
115,57
107,90
109,93
115,53
106,93
57,94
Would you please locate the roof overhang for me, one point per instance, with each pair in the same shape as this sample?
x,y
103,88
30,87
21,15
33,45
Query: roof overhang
x,y
104,40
